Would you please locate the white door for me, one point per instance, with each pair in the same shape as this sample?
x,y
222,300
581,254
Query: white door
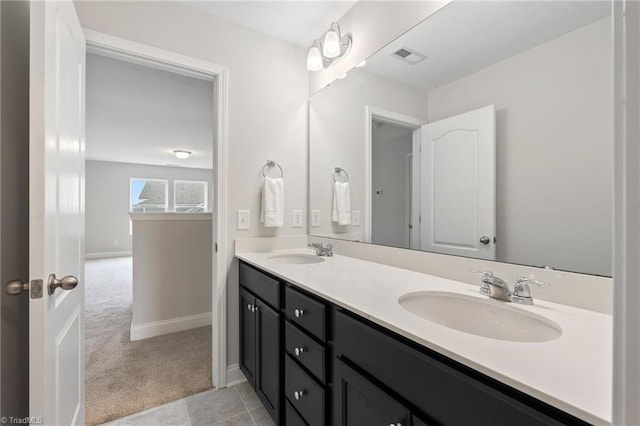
x,y
56,212
457,193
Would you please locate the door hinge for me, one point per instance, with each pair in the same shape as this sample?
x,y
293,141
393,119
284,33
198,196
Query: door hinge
x,y
419,219
215,247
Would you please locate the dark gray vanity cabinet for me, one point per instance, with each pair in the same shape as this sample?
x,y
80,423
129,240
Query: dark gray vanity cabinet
x,y
260,336
382,365
306,387
314,364
359,402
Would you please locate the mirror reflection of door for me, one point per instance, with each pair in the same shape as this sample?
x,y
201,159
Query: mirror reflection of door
x,y
457,184
446,203
391,171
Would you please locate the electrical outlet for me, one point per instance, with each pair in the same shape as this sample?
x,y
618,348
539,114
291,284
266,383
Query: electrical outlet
x,y
243,219
355,217
315,218
297,218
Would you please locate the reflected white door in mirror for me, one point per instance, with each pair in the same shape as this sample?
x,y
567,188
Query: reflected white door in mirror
x,y
457,185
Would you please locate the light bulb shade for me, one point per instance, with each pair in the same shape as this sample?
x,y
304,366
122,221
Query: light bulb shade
x,y
331,45
182,154
314,59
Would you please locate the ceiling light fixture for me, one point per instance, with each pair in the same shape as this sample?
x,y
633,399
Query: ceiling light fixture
x,y
182,154
333,47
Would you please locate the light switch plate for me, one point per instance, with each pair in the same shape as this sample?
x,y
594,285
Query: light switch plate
x,y
243,219
355,218
315,218
297,219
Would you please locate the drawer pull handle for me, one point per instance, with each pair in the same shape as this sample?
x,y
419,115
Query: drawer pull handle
x,y
298,312
299,351
298,394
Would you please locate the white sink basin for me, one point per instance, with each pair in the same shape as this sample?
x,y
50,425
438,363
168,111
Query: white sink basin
x,y
482,317
297,258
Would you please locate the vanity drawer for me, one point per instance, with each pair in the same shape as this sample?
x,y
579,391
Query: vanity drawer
x,y
292,418
433,384
262,285
306,312
310,404
306,351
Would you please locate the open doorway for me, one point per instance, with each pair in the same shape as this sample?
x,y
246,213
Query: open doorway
x,y
392,162
149,234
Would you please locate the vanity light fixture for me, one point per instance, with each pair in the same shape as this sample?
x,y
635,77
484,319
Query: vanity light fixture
x,y
333,47
314,59
182,154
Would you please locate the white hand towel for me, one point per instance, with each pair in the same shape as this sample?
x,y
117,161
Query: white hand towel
x,y
341,208
272,212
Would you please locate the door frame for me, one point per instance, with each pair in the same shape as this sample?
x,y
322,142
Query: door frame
x,y
397,119
122,49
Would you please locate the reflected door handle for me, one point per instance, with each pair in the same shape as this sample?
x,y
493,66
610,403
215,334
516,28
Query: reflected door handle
x,y
66,283
485,240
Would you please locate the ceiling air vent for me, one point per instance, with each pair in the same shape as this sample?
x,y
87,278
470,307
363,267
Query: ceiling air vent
x,y
408,55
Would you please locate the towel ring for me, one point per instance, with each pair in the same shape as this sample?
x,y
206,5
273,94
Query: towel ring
x,y
339,170
271,163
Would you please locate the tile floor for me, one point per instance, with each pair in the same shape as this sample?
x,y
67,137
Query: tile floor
x,y
234,406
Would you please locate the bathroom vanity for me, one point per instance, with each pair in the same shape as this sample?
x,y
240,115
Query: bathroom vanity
x,y
328,341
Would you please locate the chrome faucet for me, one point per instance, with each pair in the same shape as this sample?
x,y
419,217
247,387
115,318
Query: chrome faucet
x,y
497,288
322,250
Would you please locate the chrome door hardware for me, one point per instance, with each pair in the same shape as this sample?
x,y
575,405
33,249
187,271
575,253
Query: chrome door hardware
x,y
485,240
299,351
16,287
298,312
68,282
298,394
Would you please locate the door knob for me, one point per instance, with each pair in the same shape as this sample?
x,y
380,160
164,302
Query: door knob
x,y
66,283
16,287
485,240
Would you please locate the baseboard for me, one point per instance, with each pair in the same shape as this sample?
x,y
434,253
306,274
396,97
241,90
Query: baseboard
x,y
108,254
235,376
158,328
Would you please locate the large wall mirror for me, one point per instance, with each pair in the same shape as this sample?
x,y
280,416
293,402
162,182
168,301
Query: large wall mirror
x,y
485,131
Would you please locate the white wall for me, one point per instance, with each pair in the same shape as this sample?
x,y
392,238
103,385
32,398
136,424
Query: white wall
x,y
147,113
372,25
107,200
554,124
172,256
14,206
268,92
389,208
337,124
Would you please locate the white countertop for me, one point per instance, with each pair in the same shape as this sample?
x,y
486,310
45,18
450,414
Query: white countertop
x,y
572,372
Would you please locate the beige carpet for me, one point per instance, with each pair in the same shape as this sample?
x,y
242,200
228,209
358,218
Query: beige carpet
x,y
124,377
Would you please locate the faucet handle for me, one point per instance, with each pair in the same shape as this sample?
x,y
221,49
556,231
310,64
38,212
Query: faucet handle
x,y
522,286
328,250
486,278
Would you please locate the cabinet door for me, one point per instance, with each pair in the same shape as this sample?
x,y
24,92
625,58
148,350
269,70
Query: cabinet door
x,y
248,355
359,402
269,353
